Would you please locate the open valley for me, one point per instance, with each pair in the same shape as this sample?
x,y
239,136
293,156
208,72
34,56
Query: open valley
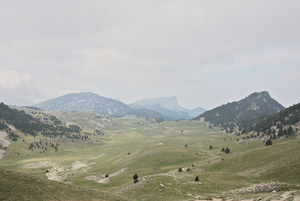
x,y
116,149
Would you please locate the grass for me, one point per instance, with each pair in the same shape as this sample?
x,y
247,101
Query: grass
x,y
156,153
19,186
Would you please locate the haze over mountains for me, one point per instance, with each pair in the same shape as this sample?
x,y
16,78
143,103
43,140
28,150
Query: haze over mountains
x,y
164,107
253,106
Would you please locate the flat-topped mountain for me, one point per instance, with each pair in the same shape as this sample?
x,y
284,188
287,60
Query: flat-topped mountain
x,y
167,106
169,103
87,101
158,108
255,105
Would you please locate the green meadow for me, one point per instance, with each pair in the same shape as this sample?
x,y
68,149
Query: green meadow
x,y
155,152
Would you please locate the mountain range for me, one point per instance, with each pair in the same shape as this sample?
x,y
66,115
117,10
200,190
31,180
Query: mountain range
x,y
164,107
167,108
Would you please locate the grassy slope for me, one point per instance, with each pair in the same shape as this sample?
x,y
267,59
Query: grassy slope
x,y
158,149
19,186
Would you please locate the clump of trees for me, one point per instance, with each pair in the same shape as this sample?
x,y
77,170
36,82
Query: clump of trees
x,y
3,125
13,136
39,145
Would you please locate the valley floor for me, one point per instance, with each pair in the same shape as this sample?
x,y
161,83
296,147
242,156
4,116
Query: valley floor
x,y
155,152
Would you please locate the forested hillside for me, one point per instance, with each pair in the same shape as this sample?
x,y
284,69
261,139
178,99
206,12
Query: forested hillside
x,y
283,123
31,125
232,114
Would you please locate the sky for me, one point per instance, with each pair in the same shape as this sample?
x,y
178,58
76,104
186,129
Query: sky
x,y
206,53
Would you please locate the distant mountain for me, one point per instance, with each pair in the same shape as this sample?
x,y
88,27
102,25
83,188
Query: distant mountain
x,y
158,108
169,103
87,101
253,106
91,102
167,106
195,112
143,112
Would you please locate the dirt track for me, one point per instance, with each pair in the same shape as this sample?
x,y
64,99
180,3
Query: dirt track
x,y
3,142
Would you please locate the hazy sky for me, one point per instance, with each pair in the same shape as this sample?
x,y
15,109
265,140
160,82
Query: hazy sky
x,y
206,53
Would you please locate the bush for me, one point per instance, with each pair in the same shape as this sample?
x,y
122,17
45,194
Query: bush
x,y
210,147
268,142
227,151
180,170
197,178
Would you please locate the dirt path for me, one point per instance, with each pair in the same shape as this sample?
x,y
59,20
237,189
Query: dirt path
x,y
3,141
1,153
100,178
58,172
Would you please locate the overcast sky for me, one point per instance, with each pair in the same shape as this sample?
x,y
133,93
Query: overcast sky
x,y
206,53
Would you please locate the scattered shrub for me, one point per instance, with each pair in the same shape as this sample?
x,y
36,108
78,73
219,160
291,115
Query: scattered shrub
x,y
135,178
268,142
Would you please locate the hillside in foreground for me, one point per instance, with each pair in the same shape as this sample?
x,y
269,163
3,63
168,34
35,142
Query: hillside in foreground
x,y
19,186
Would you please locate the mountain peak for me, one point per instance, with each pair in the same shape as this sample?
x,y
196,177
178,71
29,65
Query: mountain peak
x,y
85,101
255,105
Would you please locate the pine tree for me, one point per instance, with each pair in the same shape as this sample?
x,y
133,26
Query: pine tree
x,y
290,130
135,178
227,151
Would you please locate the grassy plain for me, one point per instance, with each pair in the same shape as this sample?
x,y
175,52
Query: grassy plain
x,y
155,152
